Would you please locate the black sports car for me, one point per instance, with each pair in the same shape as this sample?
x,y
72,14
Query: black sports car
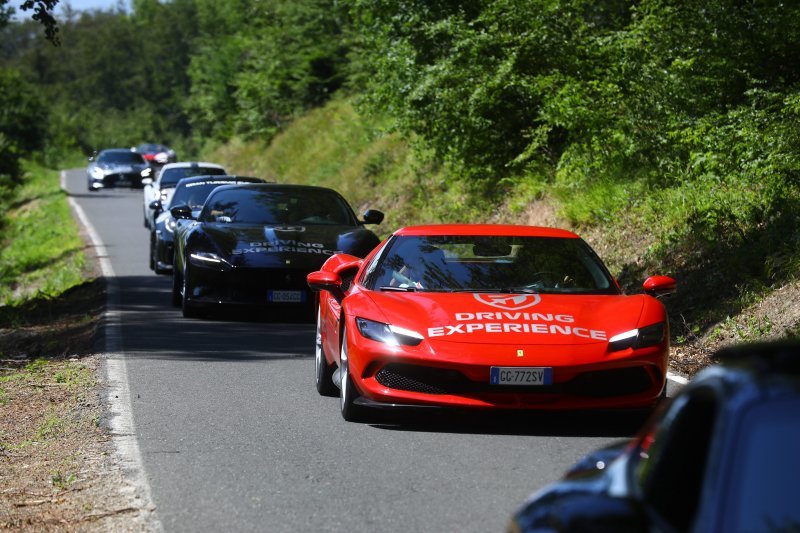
x,y
189,192
255,244
722,456
116,167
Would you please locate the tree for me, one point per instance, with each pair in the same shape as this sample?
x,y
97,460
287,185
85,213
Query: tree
x,y
42,13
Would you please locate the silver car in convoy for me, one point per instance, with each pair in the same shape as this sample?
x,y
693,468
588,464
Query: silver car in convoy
x,y
158,192
117,167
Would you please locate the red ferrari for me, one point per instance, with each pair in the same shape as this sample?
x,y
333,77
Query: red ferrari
x,y
486,316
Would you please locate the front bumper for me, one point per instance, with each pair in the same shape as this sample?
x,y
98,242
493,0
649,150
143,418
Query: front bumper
x,y
449,378
126,179
258,287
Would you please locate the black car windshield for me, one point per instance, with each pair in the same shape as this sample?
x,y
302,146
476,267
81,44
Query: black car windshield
x,y
194,194
490,264
764,482
121,157
171,176
306,206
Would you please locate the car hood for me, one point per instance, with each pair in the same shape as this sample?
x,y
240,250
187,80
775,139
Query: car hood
x,y
518,319
251,246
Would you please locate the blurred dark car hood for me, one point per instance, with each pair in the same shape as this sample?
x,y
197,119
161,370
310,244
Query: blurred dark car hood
x,y
299,246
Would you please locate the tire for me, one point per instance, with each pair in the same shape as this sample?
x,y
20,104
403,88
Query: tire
x,y
153,252
177,283
323,371
189,309
347,391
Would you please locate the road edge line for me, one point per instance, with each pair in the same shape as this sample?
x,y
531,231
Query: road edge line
x,y
677,378
121,424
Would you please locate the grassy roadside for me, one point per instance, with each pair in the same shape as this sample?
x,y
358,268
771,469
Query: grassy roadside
x,y
733,281
56,467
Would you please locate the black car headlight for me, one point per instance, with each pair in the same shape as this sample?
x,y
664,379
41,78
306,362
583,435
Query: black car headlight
x,y
387,334
169,225
638,338
98,173
209,260
146,172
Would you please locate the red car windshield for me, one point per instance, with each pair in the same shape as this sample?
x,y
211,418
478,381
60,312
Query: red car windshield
x,y
490,264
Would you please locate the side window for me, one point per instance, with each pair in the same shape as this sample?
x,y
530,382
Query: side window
x,y
673,459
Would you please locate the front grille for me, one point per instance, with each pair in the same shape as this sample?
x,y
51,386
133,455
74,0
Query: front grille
x,y
134,178
421,379
250,285
430,380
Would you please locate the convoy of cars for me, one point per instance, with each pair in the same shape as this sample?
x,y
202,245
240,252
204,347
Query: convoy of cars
x,y
486,317
158,191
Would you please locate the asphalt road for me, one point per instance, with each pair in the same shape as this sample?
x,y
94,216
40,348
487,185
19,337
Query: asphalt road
x,y
233,435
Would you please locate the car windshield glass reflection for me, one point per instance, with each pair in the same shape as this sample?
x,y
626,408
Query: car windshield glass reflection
x,y
121,158
171,176
491,264
194,194
765,478
278,207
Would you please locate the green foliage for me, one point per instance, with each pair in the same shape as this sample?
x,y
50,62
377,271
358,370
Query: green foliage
x,y
42,255
22,125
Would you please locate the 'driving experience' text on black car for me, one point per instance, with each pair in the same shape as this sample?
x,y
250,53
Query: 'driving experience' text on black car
x,y
189,195
254,245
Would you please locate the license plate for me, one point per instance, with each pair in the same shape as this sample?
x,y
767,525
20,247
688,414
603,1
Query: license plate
x,y
520,375
287,297
124,183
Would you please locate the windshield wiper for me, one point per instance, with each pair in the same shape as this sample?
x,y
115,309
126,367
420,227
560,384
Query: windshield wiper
x,y
502,290
399,289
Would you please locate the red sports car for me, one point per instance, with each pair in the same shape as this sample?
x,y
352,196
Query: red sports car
x,y
486,316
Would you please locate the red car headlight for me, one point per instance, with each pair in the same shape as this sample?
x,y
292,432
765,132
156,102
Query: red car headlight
x,y
638,338
388,334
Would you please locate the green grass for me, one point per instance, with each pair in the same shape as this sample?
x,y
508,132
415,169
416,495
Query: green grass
x,y
42,252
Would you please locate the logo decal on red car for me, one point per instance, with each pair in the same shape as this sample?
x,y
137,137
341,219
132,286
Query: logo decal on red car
x,y
509,302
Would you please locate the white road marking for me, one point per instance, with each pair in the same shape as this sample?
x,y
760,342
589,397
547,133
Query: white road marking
x,y
123,429
677,378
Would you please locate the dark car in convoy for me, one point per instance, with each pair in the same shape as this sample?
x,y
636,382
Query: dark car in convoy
x,y
191,193
116,167
160,189
721,456
255,244
156,154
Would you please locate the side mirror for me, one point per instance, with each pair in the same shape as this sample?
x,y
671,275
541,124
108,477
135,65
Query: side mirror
x,y
155,204
659,286
180,211
373,216
326,281
147,181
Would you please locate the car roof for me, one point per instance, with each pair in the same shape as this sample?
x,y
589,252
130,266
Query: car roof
x,y
219,177
190,164
116,150
284,186
504,230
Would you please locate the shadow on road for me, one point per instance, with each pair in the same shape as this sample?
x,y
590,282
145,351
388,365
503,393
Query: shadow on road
x,y
608,424
153,329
